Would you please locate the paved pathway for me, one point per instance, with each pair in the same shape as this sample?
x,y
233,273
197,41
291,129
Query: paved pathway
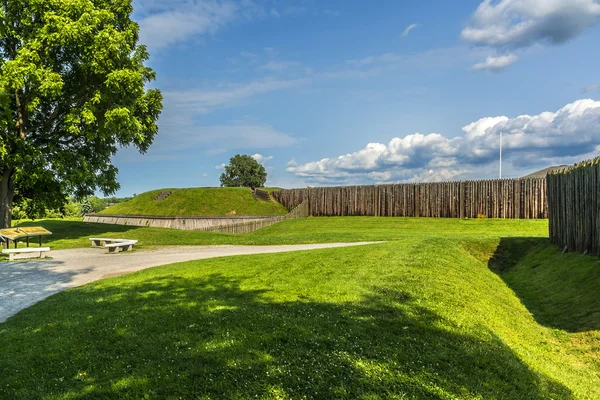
x,y
23,283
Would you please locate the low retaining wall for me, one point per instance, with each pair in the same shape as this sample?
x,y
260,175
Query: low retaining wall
x,y
182,223
210,224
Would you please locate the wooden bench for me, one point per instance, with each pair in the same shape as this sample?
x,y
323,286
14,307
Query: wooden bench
x,y
114,245
11,252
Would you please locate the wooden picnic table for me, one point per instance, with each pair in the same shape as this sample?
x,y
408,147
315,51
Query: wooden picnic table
x,y
14,234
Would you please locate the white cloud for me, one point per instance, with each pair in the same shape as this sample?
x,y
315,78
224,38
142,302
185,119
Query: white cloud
x,y
207,99
278,66
409,28
181,21
291,10
444,57
522,23
166,23
592,88
518,24
180,134
496,64
220,166
203,101
181,138
438,175
248,55
261,159
204,175
331,13
548,137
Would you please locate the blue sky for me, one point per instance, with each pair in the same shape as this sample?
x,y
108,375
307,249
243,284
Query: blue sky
x,y
351,92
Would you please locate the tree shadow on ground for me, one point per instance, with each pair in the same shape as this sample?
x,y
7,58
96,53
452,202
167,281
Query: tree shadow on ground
x,y
208,338
560,290
24,282
77,229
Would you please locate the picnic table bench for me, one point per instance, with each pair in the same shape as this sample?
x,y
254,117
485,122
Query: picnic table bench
x,y
15,234
114,245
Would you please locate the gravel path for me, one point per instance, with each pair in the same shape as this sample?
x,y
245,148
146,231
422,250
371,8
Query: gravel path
x,y
23,283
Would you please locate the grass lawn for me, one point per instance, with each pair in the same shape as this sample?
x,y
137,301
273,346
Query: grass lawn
x,y
447,309
198,202
75,233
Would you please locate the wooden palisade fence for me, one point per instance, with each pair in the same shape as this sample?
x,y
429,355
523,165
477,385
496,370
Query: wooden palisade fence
x,y
573,207
501,198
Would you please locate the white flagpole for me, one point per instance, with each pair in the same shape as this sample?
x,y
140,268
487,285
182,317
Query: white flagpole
x,y
500,155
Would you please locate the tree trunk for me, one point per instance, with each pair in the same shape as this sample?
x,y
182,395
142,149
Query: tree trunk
x,y
7,192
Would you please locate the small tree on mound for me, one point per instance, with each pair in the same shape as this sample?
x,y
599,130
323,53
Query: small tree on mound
x,y
243,171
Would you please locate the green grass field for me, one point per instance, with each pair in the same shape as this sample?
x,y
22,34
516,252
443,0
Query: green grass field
x,y
198,202
446,309
75,233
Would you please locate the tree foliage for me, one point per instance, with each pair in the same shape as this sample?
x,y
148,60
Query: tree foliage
x,y
72,91
243,171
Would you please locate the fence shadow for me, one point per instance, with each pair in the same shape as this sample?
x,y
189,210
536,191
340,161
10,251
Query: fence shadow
x,y
208,338
511,251
556,288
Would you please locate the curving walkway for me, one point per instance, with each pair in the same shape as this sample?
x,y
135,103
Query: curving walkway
x,y
23,283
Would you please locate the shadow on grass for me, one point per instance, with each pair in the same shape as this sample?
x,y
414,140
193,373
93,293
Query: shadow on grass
x,y
511,251
65,229
560,290
208,338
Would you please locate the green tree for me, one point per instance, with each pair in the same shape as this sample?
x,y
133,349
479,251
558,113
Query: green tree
x,y
86,207
72,90
243,171
71,209
97,203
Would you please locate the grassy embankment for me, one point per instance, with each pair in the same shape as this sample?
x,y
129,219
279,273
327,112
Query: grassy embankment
x,y
197,202
448,309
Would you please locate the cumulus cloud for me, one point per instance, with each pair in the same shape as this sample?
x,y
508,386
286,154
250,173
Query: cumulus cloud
x,y
495,64
572,131
522,23
508,25
409,28
261,159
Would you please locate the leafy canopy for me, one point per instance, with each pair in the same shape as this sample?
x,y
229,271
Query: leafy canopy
x,y
72,91
243,171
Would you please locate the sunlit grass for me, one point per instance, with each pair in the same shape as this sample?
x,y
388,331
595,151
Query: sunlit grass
x,y
424,316
72,234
